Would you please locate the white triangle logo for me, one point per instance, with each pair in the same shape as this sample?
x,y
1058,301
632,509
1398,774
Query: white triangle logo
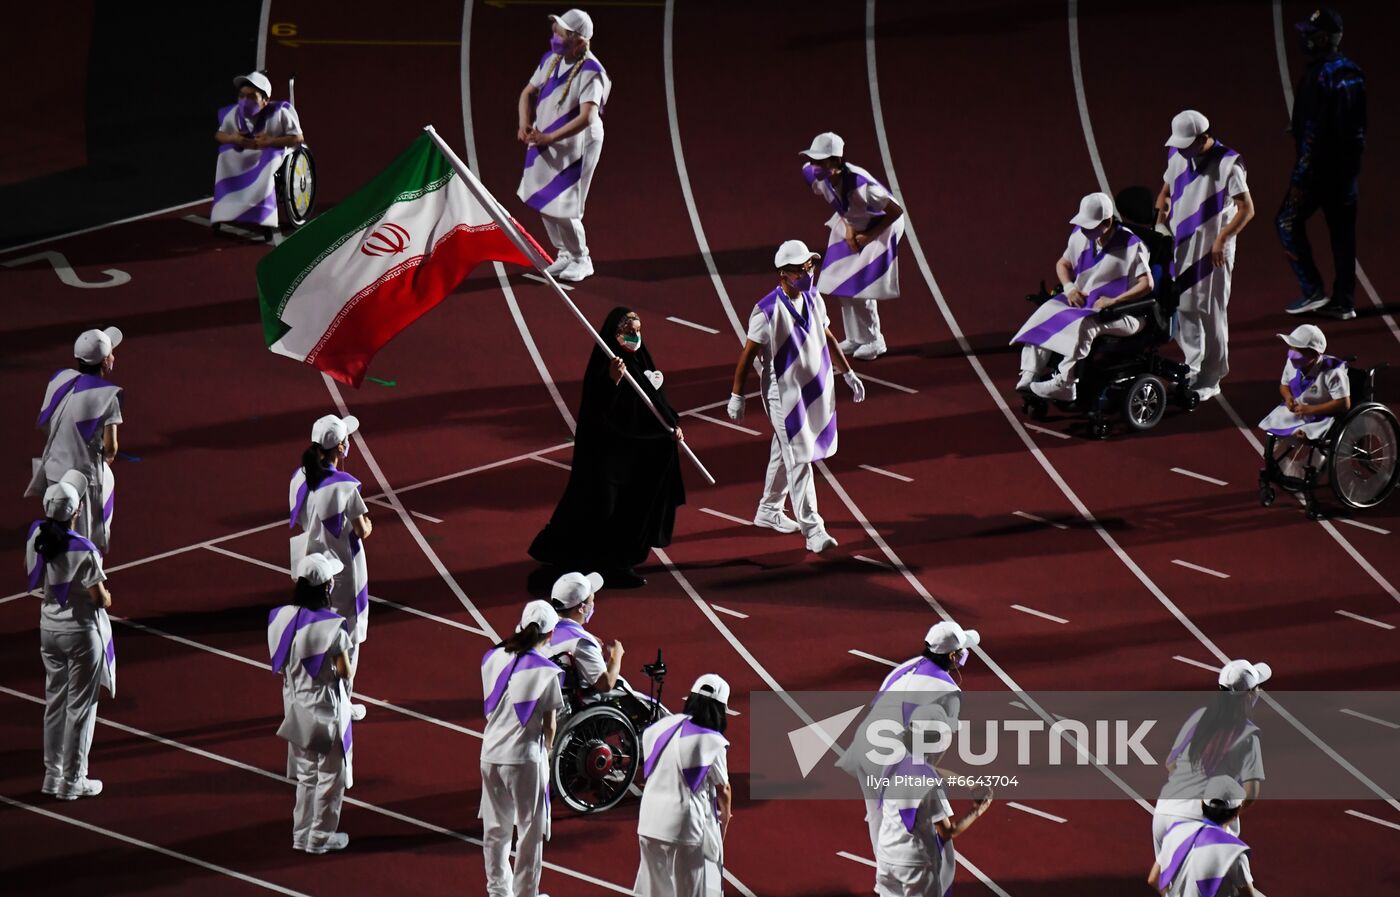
x,y
810,743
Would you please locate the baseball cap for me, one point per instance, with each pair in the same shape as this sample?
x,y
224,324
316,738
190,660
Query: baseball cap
x,y
1324,19
1186,127
94,345
1306,336
572,589
577,21
61,500
824,146
712,686
256,79
1223,791
318,569
793,252
947,637
330,431
1241,675
1094,209
541,614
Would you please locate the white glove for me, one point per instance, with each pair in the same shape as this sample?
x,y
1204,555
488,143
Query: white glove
x,y
736,406
857,387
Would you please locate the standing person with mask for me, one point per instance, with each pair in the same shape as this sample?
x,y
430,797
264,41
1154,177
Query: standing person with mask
x,y
82,410
326,503
861,262
568,92
254,136
521,686
790,337
1206,203
1329,134
625,481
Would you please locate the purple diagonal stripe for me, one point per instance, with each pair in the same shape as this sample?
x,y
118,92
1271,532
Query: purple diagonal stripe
x,y
1211,835
837,250
825,439
313,664
1182,181
247,178
111,651
909,817
107,507
1209,887
362,600
787,356
348,739
61,591
33,528
258,214
650,761
561,182
284,644
524,710
296,509
690,727
1115,287
694,776
533,152
1053,325
58,395
498,690
88,428
1086,258
870,273
334,525
1209,208
1169,872
1200,269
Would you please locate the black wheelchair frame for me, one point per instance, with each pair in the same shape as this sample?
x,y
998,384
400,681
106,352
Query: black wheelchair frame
x,y
295,179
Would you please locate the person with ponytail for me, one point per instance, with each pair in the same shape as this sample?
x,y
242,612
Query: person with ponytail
x,y
522,699
75,636
327,505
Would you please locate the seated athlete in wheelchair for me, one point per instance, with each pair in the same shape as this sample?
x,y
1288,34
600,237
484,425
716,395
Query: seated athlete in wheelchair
x,y
1328,425
1101,329
265,175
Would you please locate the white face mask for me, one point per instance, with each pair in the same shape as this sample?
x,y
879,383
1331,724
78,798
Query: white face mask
x,y
961,657
588,611
345,448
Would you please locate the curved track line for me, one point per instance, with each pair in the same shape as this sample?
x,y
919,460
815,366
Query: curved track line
x,y
1078,71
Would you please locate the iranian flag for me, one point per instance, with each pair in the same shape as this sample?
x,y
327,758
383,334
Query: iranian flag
x,y
348,282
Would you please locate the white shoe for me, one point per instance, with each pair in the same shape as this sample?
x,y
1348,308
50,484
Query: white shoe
x,y
1205,395
84,787
1027,378
1054,388
52,785
577,269
357,712
847,346
870,351
775,520
335,841
561,261
820,541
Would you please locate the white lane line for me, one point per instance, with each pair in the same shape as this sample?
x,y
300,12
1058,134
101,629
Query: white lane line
x,y
856,859
1199,476
874,657
1196,663
97,227
723,423
1199,569
154,848
539,279
481,468
1371,719
1361,619
895,386
551,462
19,595
723,516
691,324
720,404
873,561
732,613
1369,818
226,228
1034,812
886,473
1036,613
384,503
1078,71
1359,525
1036,519
1056,433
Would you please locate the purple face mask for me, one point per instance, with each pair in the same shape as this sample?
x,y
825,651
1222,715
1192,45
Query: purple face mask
x,y
248,106
558,45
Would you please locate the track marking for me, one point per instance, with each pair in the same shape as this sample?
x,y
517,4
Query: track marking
x,y
1036,519
1200,476
225,228
723,423
1199,569
1359,525
723,516
1372,719
856,859
874,657
538,279
691,324
873,561
720,404
732,613
551,462
1036,613
384,503
154,848
97,227
1080,99
895,386
1361,619
886,473
1056,433
1370,818
1034,812
1196,663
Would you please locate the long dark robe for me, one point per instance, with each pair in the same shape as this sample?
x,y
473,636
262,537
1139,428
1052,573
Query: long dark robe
x,y
625,484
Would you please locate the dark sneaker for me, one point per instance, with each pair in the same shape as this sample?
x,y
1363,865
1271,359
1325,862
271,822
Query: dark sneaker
x,y
1341,313
1307,304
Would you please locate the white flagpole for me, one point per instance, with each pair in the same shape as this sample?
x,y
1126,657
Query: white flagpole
x,y
507,225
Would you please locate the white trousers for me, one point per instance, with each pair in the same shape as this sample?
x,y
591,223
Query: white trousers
x,y
906,881
320,791
567,235
1036,359
1204,334
861,320
72,676
352,661
514,797
786,479
675,870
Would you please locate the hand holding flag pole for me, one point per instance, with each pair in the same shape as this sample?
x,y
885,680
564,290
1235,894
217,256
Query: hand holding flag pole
x,y
510,229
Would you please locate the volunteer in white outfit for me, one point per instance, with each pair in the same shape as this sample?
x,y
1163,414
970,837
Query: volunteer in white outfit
x,y
1202,856
75,636
326,503
861,265
308,644
1205,202
597,669
790,337
255,135
568,93
1217,740
82,410
522,692
687,801
1315,388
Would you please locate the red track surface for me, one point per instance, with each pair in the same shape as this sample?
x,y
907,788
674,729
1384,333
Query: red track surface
x,y
989,170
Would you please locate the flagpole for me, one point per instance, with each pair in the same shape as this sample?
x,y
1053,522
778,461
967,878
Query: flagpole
x,y
507,225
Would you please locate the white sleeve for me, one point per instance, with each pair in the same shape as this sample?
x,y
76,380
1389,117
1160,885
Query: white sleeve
x,y
760,329
591,88
1072,249
1236,183
588,663
876,196
355,506
1138,265
553,697
719,770
541,72
90,574
1240,874
815,182
819,303
1337,382
226,125
1252,764
288,122
1288,372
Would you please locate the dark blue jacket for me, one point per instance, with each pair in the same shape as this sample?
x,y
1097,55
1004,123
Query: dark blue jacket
x,y
1329,122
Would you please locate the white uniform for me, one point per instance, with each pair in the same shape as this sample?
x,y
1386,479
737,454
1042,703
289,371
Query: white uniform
x,y
911,860
75,641
678,828
1181,796
1201,858
1202,194
521,691
245,189
77,409
1328,382
324,514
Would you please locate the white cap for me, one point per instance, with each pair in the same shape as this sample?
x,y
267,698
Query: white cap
x,y
793,252
318,569
1306,336
256,79
1241,675
572,589
330,431
577,21
94,345
541,613
61,500
711,685
1094,209
1223,791
947,637
824,146
1186,127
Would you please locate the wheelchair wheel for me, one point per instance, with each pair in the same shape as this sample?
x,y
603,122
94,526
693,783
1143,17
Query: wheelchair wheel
x,y
1362,463
1144,402
595,759
296,188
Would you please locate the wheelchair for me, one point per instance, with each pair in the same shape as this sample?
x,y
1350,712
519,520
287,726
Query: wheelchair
x,y
1358,454
598,749
295,179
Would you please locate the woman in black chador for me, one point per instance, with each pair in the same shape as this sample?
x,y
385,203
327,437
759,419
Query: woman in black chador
x,y
625,484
